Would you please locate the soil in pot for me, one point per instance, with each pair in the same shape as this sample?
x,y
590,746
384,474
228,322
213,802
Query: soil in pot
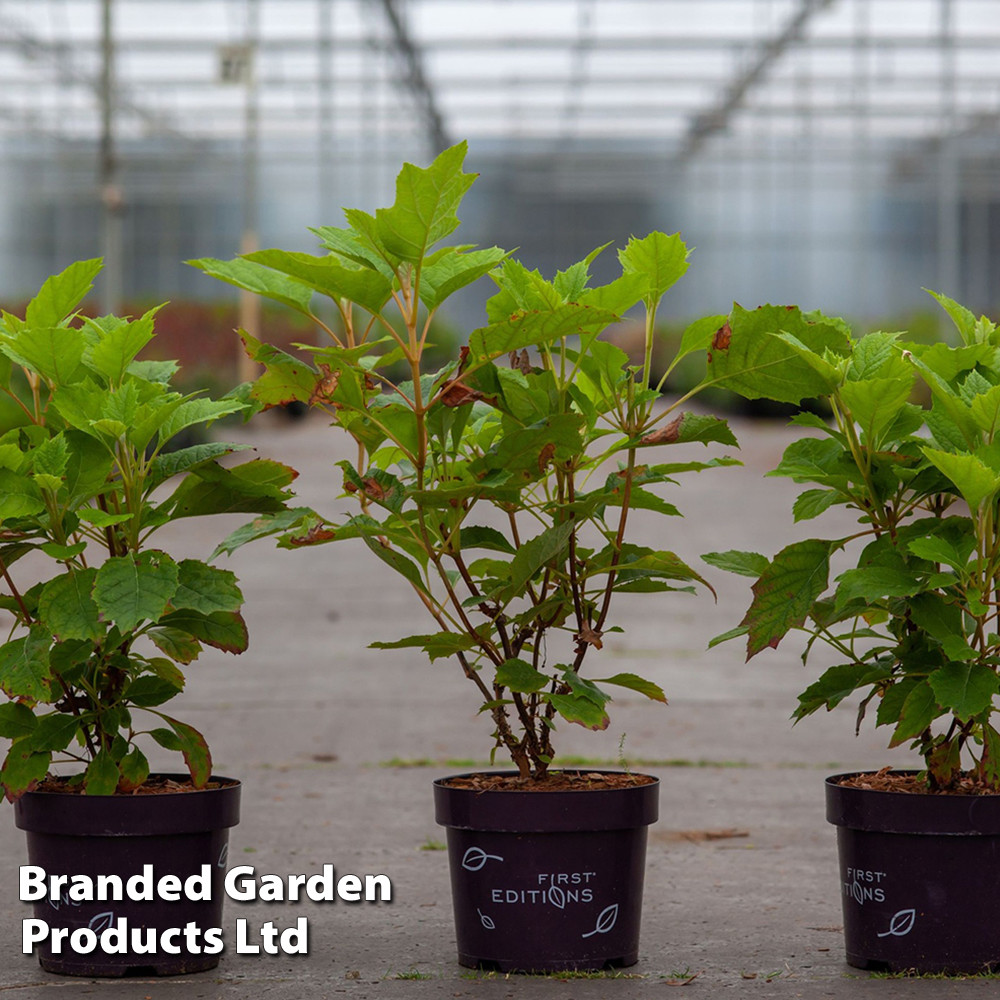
x,y
919,877
547,880
176,832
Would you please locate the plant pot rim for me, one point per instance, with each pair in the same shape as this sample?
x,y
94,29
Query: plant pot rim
x,y
914,813
163,814
563,811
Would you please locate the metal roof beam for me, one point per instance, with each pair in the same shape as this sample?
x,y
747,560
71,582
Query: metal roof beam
x,y
413,75
716,118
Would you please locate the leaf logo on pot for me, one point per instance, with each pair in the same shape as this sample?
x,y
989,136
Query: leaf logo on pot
x,y
557,897
475,857
901,924
487,922
101,921
223,857
605,921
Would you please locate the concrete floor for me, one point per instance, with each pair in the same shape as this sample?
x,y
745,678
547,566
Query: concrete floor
x,y
309,717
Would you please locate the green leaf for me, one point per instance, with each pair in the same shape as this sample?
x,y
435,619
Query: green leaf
x,y
746,358
437,646
943,622
102,775
785,593
985,409
534,329
940,550
167,739
54,353
876,402
733,633
519,675
877,355
147,691
836,684
919,710
195,749
474,536
134,769
965,688
699,335
197,411
582,711
964,319
871,583
617,296
635,683
68,609
118,342
54,732
812,503
16,720
164,466
62,293
259,279
399,562
745,563
536,553
455,270
660,258
976,481
101,518
19,496
205,588
22,770
426,201
225,630
176,644
329,276
131,589
24,665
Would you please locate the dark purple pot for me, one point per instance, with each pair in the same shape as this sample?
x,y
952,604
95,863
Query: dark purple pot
x,y
919,878
547,881
116,835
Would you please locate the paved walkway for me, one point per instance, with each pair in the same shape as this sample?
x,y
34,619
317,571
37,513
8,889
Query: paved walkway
x,y
309,718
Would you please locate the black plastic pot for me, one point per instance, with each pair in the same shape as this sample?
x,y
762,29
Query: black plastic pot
x,y
920,878
116,835
547,881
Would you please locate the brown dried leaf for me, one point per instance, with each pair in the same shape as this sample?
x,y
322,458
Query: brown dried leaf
x,y
545,456
325,388
590,636
373,489
666,434
722,338
456,394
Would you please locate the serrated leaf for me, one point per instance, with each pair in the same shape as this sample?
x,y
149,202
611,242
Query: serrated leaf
x,y
68,609
134,769
519,675
812,503
453,271
943,622
205,588
102,775
53,732
178,645
660,258
62,293
474,536
261,280
733,633
147,691
871,583
19,496
876,402
534,329
635,683
582,711
745,357
750,564
437,646
22,770
690,427
964,319
195,749
117,344
16,720
424,210
919,710
131,589
164,466
536,552
965,688
976,481
24,665
784,594
836,684
226,630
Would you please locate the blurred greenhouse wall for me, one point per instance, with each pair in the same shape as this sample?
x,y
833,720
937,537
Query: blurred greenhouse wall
x,y
836,153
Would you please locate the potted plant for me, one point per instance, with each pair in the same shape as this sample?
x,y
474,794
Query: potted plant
x,y
104,622
911,626
500,487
